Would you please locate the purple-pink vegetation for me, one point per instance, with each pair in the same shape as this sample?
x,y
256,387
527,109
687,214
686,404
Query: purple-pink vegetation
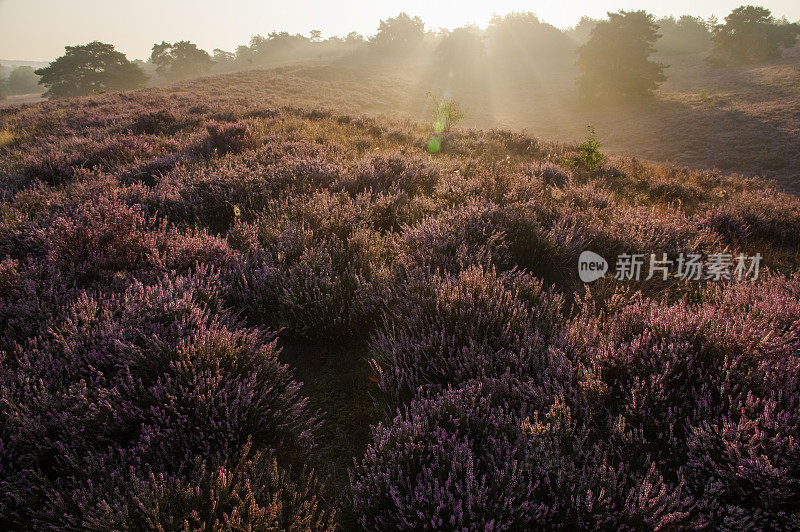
x,y
150,241
481,457
150,380
710,392
444,329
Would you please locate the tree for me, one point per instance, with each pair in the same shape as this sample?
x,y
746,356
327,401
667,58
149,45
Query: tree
x,y
583,29
3,89
224,60
354,39
685,35
276,45
615,61
181,60
23,80
750,34
461,47
221,56
92,68
399,33
316,36
523,35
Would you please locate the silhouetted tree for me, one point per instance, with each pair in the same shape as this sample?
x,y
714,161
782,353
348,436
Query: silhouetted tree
x,y
581,32
750,34
181,60
224,61
92,68
400,33
244,55
354,39
615,60
523,36
686,35
461,46
23,80
316,36
221,56
277,45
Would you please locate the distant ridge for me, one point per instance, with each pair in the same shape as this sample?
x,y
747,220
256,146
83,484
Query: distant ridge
x,y
16,63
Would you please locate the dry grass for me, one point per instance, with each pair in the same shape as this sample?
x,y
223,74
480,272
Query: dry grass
x,y
7,137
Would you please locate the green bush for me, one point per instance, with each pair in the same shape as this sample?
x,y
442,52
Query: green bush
x,y
589,156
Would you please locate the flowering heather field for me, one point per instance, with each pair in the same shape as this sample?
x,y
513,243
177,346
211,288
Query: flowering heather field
x,y
174,262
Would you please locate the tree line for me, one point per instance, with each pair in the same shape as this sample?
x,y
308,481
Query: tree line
x,y
613,55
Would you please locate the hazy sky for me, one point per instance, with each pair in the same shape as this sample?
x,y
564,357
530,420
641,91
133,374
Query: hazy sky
x,y
39,29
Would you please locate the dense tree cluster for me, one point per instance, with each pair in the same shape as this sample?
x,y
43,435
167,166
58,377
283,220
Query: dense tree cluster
x,y
751,34
613,54
181,60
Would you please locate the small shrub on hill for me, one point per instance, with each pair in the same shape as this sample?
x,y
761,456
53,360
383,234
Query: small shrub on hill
x,y
589,156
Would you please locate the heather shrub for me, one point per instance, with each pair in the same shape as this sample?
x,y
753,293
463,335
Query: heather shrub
x,y
317,270
552,174
314,292
99,239
391,173
152,171
626,229
226,137
214,198
763,216
589,199
472,459
158,122
30,299
709,392
224,386
493,182
526,235
233,189
56,160
459,237
545,240
154,378
184,251
513,142
727,222
445,329
391,211
252,493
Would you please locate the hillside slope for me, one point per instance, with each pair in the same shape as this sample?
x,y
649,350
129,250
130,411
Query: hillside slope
x,y
738,119
173,262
